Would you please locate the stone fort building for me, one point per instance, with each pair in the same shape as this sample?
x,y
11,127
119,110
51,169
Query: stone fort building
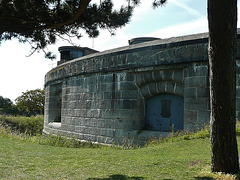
x,y
144,90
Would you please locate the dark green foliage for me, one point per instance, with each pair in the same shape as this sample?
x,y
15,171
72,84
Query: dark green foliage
x,y
7,106
40,23
31,103
28,125
157,3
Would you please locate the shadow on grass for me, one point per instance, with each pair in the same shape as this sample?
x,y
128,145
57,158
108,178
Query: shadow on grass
x,y
118,177
204,178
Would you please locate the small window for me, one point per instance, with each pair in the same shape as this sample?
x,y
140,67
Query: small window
x,y
65,55
75,54
166,108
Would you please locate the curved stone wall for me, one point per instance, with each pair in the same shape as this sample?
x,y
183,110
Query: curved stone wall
x,y
102,97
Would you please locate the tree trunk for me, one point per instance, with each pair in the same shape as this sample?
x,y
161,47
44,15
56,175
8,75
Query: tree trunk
x,y
222,21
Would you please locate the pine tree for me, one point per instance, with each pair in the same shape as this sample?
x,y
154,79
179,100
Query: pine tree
x,y
40,23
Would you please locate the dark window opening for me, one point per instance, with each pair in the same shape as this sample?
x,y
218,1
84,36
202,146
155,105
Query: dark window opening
x,y
166,108
75,54
65,55
55,105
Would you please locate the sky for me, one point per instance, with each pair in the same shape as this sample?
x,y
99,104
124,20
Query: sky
x,y
19,73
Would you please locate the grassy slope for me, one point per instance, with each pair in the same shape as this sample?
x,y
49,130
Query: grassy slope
x,y
186,159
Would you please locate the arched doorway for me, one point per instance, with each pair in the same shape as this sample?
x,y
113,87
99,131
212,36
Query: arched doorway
x,y
164,112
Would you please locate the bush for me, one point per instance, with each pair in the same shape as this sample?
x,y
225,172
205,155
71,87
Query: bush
x,y
29,125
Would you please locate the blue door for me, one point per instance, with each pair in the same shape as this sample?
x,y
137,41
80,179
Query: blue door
x,y
164,112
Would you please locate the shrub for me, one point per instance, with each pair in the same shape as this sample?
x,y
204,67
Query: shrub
x,y
28,125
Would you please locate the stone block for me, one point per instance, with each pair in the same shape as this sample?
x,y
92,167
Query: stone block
x,y
105,113
203,92
168,75
87,104
157,75
70,128
93,122
111,132
178,76
103,132
85,122
199,81
197,103
108,78
129,94
81,121
77,129
190,116
129,114
84,130
94,131
139,79
129,104
77,112
186,73
170,87
190,93
92,87
107,95
123,124
161,87
101,123
128,85
153,88
73,121
147,77
91,80
145,91
114,114
189,126
203,117
198,70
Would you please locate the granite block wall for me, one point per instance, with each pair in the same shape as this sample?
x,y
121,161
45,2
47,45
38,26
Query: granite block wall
x,y
102,97
196,95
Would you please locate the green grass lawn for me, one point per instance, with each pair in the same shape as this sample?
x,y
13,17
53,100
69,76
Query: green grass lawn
x,y
185,159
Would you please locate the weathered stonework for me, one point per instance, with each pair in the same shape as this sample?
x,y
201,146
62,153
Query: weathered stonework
x,y
102,97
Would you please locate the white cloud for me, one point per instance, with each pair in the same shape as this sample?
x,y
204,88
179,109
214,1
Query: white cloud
x,y
197,26
183,5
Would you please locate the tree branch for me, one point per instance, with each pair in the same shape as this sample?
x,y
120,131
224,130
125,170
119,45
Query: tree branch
x,y
83,5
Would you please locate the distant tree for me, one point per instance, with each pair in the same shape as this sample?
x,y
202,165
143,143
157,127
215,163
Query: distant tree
x,y
40,23
31,102
5,105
